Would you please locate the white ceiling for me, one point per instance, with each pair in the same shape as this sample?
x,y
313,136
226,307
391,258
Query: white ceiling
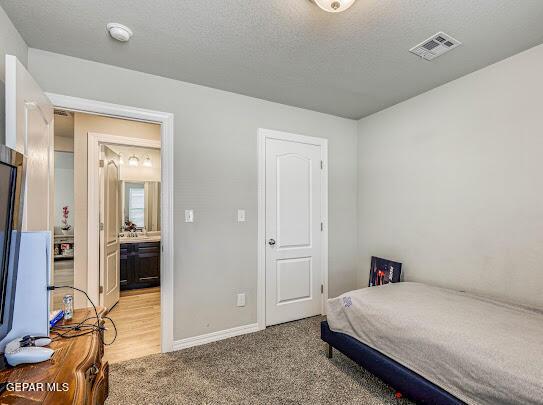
x,y
350,64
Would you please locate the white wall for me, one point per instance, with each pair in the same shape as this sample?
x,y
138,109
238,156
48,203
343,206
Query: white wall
x,y
215,173
13,44
64,186
451,183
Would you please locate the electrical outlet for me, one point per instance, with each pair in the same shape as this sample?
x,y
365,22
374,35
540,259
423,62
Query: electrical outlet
x,y
241,215
241,300
189,215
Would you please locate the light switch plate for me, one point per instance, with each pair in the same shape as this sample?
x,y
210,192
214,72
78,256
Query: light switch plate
x,y
241,300
189,215
241,215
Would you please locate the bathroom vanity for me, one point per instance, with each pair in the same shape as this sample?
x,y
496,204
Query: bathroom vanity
x,y
140,264
140,247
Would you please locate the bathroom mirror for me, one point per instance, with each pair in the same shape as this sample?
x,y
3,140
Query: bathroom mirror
x,y
141,204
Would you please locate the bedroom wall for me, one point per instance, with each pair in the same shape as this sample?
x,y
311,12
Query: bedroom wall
x,y
450,183
215,173
11,43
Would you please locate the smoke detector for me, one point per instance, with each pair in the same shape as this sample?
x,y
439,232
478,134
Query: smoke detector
x,y
119,32
435,46
334,6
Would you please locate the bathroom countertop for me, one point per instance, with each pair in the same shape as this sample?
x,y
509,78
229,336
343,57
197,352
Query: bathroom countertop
x,y
139,239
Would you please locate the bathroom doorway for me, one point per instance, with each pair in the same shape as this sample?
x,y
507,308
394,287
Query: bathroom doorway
x,y
86,188
128,177
64,226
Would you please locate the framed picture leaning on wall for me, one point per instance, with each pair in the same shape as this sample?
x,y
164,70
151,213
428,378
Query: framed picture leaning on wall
x,y
384,271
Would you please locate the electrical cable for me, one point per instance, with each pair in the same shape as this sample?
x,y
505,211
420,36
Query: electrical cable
x,y
79,327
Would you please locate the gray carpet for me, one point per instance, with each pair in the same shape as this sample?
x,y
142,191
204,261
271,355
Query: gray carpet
x,y
284,364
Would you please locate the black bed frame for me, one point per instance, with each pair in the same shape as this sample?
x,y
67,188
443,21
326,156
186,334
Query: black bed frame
x,y
402,379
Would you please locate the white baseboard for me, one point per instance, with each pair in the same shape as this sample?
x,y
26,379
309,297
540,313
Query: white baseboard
x,y
214,336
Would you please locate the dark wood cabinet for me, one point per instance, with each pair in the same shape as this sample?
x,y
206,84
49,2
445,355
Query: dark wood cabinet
x,y
124,254
140,265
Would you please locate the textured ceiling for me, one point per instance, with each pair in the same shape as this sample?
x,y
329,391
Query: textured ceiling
x,y
350,64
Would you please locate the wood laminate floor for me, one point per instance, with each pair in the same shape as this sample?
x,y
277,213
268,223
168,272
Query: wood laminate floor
x,y
63,275
137,317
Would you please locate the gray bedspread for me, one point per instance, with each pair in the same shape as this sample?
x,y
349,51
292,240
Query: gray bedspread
x,y
481,350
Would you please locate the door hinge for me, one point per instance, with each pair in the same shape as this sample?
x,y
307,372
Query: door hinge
x,y
322,288
322,226
101,162
322,164
101,226
101,289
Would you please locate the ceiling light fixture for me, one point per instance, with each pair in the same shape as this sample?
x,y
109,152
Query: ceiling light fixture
x,y
147,162
334,6
119,32
133,161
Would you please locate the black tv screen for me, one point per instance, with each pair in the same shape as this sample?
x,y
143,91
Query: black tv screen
x,y
7,190
11,200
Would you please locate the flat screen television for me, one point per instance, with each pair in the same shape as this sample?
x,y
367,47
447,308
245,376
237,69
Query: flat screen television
x,y
12,176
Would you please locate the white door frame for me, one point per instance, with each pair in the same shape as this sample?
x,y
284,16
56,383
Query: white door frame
x,y
264,134
167,229
94,140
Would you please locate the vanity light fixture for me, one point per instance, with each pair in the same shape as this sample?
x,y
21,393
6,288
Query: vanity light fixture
x,y
133,161
147,162
121,160
334,6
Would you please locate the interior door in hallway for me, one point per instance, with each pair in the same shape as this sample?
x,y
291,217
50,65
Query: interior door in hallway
x,y
109,228
293,230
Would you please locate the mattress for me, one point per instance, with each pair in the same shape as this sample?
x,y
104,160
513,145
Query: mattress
x,y
481,350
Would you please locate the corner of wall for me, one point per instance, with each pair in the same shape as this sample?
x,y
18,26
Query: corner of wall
x,y
359,267
11,43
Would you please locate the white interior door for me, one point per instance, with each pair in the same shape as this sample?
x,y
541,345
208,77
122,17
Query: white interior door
x,y
294,242
109,228
29,130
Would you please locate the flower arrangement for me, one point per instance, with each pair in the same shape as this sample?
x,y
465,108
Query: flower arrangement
x,y
65,214
129,226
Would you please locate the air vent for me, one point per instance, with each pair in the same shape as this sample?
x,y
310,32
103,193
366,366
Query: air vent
x,y
435,46
62,113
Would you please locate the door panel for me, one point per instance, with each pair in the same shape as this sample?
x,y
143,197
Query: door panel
x,y
29,130
293,201
140,265
293,230
293,280
148,268
113,277
109,233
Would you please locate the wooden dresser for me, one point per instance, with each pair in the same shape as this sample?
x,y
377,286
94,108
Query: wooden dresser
x,y
75,374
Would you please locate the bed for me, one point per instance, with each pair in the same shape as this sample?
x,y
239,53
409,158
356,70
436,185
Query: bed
x,y
440,346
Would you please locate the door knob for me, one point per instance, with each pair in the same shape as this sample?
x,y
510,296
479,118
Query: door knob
x,y
271,242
